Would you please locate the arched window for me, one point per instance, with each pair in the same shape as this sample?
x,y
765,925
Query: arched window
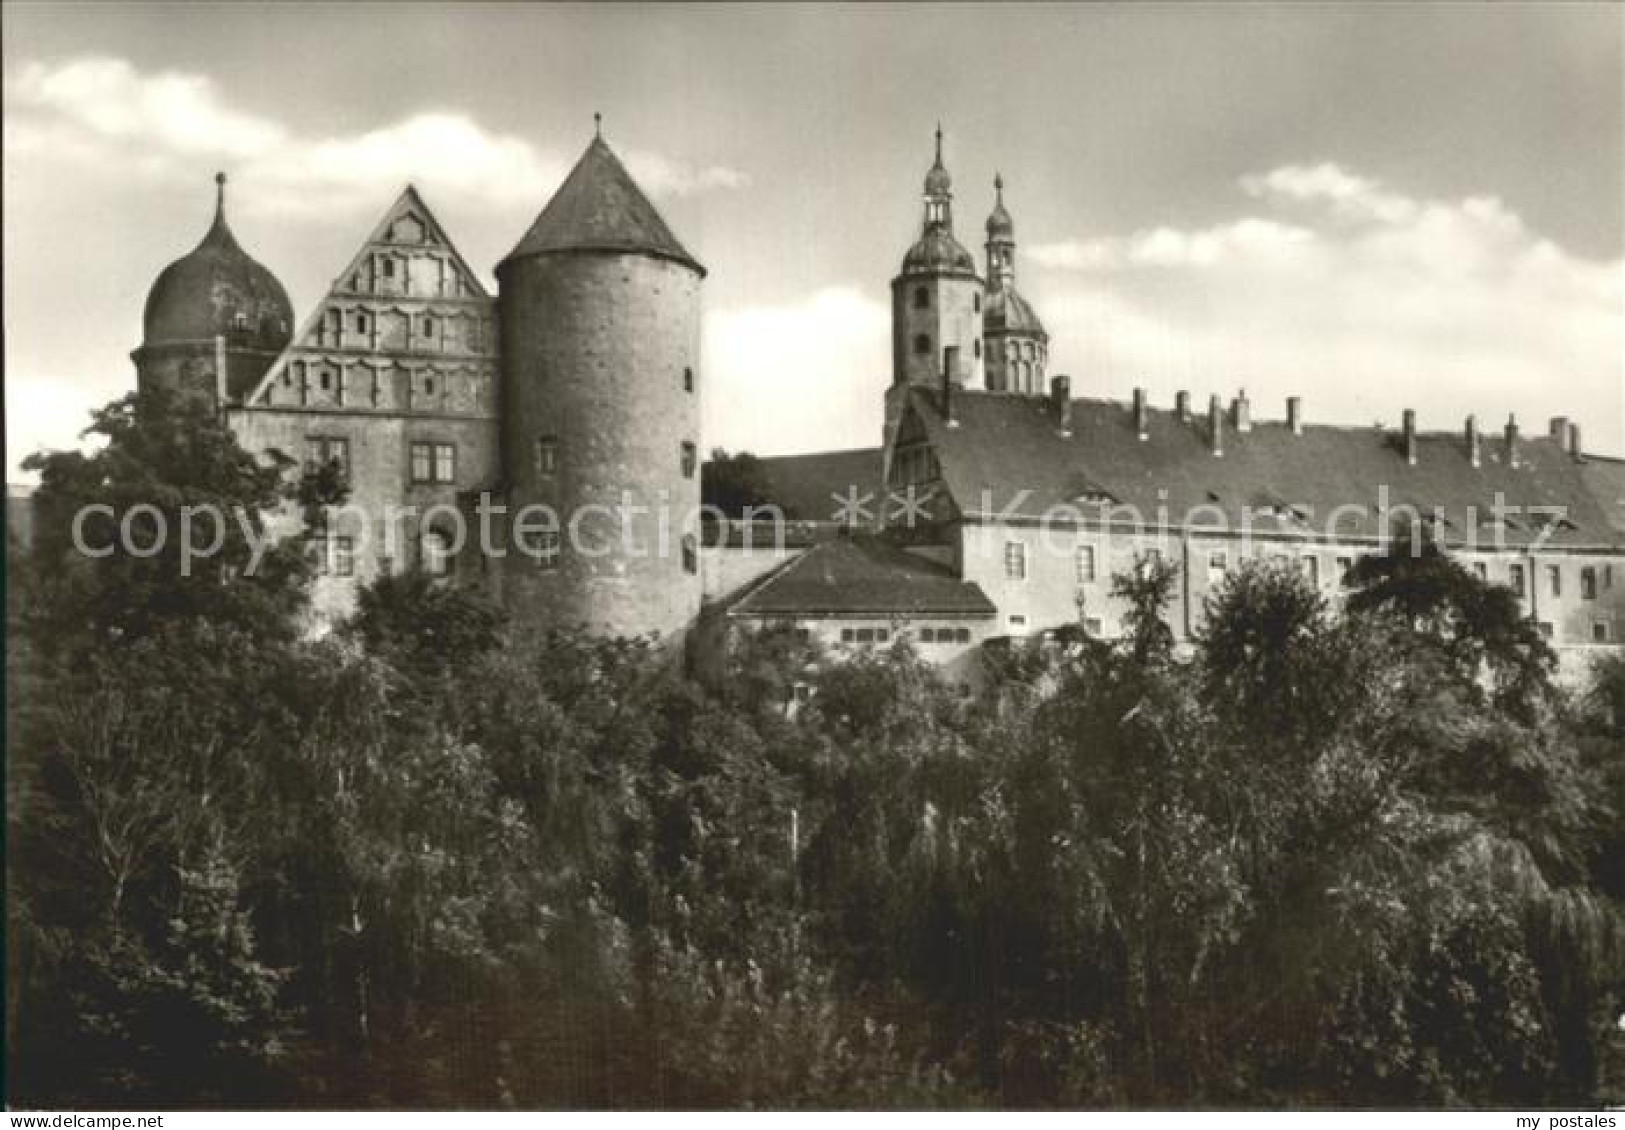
x,y
922,344
436,554
922,298
360,323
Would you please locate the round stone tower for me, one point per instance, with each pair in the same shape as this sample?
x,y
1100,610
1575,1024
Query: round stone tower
x,y
215,319
600,324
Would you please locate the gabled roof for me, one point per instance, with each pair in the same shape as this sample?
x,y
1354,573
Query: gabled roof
x,y
864,576
599,207
409,204
1006,456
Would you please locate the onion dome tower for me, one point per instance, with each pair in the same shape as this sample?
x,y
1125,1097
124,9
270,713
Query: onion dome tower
x,y
215,319
1017,344
600,326
937,297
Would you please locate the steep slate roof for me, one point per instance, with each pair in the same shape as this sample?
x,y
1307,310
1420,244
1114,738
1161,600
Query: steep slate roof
x,y
1006,444
1605,478
807,486
599,207
863,576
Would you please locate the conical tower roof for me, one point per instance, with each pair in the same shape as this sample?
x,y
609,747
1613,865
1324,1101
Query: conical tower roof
x,y
599,207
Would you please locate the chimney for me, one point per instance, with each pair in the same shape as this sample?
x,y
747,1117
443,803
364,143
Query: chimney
x,y
1512,441
1215,426
1182,406
1576,452
1559,429
1242,410
1475,443
1294,414
950,365
1141,421
1410,436
1060,396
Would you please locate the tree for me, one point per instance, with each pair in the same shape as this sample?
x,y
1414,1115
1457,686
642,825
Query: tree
x,y
733,483
1478,626
172,517
422,625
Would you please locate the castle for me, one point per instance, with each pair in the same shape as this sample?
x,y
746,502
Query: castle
x,y
998,505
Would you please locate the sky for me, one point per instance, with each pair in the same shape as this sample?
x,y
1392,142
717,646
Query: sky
x,y
1373,207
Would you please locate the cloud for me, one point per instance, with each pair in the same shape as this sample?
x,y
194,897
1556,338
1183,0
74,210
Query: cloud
x,y
102,112
1354,295
46,414
807,375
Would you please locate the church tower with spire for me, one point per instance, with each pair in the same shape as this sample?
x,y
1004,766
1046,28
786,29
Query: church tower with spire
x,y
1016,349
937,298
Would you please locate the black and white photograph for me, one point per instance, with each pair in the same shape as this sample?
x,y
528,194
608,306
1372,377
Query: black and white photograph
x,y
646,557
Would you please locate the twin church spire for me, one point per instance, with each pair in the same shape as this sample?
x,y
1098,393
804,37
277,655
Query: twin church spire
x,y
951,322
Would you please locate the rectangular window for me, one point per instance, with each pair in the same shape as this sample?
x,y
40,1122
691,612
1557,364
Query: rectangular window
x,y
691,554
1344,564
1218,564
1599,631
1481,570
882,635
866,635
689,459
541,544
1015,561
1515,579
1554,576
329,449
1588,583
928,635
1086,564
848,635
343,556
547,455
1018,621
434,462
1093,626
1311,569
1545,629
